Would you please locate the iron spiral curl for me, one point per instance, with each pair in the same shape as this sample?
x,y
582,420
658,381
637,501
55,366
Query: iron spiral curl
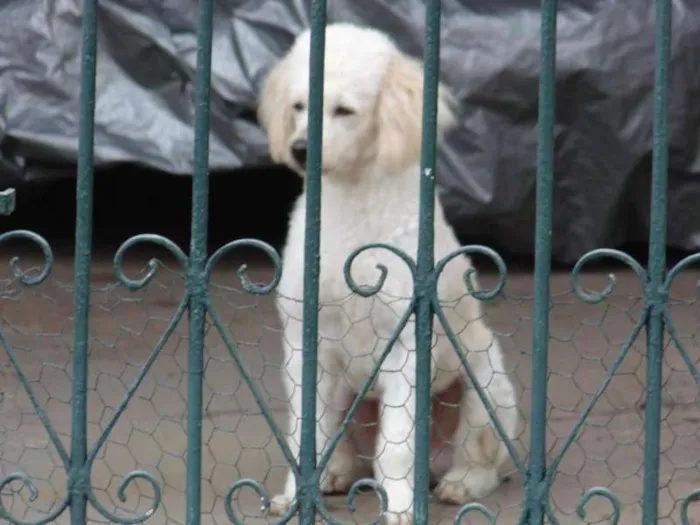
x,y
121,494
264,501
604,493
475,508
33,495
368,291
246,283
46,250
693,497
481,295
369,483
146,238
678,268
670,325
602,253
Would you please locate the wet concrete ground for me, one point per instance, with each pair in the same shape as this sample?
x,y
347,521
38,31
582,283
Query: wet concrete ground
x,y
150,435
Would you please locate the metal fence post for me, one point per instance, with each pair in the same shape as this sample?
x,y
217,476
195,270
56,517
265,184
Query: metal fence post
x,y
79,476
537,485
308,491
425,261
196,277
656,294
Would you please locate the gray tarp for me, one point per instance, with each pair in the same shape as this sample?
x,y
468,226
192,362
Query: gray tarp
x,y
490,53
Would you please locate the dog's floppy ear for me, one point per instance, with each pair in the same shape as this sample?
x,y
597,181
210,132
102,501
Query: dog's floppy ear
x,y
273,109
399,112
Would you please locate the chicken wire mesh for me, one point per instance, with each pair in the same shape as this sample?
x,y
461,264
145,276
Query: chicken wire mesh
x,y
174,434
602,436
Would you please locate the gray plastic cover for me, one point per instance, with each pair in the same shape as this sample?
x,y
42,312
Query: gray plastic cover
x,y
490,56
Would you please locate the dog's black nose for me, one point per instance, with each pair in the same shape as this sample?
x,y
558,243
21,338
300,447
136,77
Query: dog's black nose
x,y
299,152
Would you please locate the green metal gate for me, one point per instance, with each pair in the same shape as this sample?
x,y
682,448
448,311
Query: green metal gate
x,y
537,473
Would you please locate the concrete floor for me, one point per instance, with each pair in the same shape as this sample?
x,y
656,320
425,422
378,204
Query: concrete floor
x,y
151,434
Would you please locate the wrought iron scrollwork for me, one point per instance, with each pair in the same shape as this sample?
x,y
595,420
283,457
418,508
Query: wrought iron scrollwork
x,y
670,325
135,285
256,289
475,508
249,286
45,248
691,498
146,238
600,492
26,482
595,255
368,291
596,298
367,483
121,494
264,501
682,265
480,295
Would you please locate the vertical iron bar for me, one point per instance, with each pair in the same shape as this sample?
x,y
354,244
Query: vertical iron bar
x,y
196,281
312,242
537,489
79,478
425,261
657,265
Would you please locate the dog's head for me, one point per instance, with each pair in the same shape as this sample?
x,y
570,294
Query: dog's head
x,y
372,104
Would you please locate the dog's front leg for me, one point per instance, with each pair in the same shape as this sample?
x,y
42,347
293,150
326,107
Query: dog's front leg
x,y
332,395
395,445
340,468
478,449
473,473
291,380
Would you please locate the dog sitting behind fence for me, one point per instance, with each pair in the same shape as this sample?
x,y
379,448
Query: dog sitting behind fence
x,y
370,193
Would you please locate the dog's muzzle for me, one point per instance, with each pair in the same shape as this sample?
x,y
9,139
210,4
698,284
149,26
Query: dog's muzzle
x,y
298,151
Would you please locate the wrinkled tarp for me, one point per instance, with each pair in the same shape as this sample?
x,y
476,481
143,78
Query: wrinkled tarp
x,y
490,56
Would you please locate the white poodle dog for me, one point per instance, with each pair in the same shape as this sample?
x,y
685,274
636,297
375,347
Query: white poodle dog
x,y
370,193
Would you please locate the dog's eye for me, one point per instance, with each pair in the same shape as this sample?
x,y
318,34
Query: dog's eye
x,y
299,106
343,111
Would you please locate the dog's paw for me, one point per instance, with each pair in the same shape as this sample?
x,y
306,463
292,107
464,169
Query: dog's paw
x,y
399,518
399,494
334,483
279,505
461,485
339,474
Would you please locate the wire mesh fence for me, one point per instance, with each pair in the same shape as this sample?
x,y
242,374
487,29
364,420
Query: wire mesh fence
x,y
151,434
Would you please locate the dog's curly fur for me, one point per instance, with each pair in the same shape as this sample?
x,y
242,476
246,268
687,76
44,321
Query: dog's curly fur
x,y
370,193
